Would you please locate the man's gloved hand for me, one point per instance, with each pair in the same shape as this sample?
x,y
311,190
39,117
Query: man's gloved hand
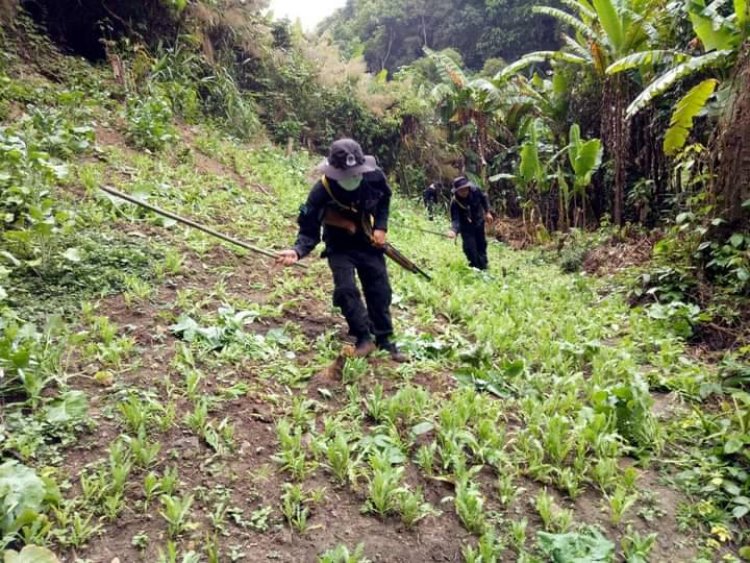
x,y
287,257
451,234
378,237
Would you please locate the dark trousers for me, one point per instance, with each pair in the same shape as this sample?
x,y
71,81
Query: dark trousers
x,y
373,275
430,205
475,245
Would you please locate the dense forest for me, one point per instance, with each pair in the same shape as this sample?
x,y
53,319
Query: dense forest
x,y
392,34
166,396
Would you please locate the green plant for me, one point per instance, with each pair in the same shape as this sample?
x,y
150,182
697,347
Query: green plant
x,y
470,507
383,486
619,503
587,545
176,512
488,550
294,507
149,122
341,462
553,517
29,554
23,495
518,533
413,508
635,547
341,554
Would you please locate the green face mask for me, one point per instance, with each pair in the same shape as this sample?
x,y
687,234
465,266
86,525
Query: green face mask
x,y
350,184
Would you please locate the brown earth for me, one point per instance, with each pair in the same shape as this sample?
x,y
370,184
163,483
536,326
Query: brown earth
x,y
250,473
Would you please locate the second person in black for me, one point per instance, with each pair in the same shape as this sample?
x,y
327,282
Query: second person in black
x,y
470,208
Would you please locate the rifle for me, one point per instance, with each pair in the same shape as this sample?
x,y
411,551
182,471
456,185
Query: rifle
x,y
190,223
335,219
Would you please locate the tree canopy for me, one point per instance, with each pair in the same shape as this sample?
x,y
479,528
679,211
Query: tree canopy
x,y
392,33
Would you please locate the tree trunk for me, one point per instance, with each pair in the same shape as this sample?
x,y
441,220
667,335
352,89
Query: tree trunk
x,y
615,134
732,149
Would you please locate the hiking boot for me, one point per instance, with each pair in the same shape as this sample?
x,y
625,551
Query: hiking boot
x,y
364,348
394,352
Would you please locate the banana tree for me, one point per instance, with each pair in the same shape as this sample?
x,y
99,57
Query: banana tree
x,y
604,31
469,107
585,159
531,178
726,45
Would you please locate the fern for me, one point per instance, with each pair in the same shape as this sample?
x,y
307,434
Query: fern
x,y
670,78
684,113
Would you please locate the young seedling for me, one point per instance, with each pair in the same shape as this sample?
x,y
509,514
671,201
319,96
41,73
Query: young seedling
x,y
293,507
151,488
339,454
292,456
354,370
619,503
177,513
383,485
425,458
341,554
605,473
488,550
636,548
113,505
169,481
518,533
413,508
470,507
506,487
569,481
145,453
554,518
140,541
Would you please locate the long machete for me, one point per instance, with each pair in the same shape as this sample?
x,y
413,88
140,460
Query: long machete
x,y
190,223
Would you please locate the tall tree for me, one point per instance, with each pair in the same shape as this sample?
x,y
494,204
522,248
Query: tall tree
x,y
725,41
604,31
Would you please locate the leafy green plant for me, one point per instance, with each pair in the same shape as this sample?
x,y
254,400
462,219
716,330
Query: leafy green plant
x,y
149,122
619,503
294,507
470,507
339,453
636,548
23,495
30,554
413,508
177,513
587,545
341,554
489,549
383,486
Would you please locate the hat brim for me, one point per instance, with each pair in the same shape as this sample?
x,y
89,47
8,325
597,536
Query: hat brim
x,y
369,165
461,187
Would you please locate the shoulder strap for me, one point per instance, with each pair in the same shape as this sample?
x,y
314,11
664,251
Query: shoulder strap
x,y
461,205
327,186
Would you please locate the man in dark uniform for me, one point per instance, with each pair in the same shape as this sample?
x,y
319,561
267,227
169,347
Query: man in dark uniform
x,y
351,202
470,208
430,197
